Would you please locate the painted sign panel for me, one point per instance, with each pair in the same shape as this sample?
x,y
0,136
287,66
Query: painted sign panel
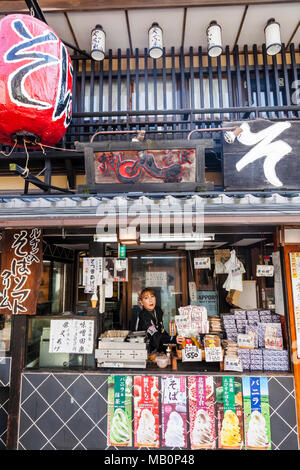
x,y
119,411
174,412
145,166
264,155
256,413
295,275
21,270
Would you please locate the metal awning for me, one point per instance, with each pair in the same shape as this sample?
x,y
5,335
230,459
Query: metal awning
x,y
85,210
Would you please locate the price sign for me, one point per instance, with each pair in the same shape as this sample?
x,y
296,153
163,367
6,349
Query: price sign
x,y
233,364
193,291
264,270
191,354
245,341
202,263
214,354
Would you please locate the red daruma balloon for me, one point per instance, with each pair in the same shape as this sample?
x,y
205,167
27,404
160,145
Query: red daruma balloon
x,y
35,82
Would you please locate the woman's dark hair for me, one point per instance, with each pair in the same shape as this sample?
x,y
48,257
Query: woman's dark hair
x,y
147,289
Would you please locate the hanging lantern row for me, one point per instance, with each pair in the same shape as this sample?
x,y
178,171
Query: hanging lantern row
x,y
213,34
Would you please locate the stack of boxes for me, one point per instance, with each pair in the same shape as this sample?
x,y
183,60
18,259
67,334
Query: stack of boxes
x,y
255,322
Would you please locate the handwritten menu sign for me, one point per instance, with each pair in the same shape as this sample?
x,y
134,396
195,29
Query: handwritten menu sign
x,y
202,263
92,274
295,274
22,252
71,336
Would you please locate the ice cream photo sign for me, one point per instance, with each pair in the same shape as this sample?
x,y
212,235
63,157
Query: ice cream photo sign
x,y
202,412
229,412
146,412
119,429
174,412
256,413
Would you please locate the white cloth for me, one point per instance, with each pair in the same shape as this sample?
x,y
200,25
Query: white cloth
x,y
235,269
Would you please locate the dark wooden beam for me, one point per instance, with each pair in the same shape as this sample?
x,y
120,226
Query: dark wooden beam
x,y
18,348
10,6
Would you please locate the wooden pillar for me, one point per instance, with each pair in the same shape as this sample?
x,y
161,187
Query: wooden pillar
x,y
18,345
292,324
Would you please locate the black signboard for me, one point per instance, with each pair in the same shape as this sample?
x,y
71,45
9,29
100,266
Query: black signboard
x,y
265,155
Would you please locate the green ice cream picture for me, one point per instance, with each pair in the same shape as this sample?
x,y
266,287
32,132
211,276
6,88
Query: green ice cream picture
x,y
120,432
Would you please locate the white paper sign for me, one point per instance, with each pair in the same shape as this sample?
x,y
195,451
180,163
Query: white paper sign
x,y
233,364
214,354
109,289
156,278
202,263
71,336
264,270
193,291
245,341
92,274
191,354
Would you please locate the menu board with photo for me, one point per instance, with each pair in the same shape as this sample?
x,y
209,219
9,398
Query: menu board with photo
x,y
202,412
146,411
295,275
71,336
229,402
256,413
174,412
119,411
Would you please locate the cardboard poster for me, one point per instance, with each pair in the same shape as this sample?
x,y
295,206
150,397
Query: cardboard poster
x,y
256,413
229,400
146,412
202,412
119,411
174,412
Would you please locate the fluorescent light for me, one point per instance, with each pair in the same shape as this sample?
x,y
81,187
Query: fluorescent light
x,y
173,237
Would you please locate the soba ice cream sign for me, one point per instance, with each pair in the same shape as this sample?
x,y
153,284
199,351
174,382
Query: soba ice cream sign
x,y
21,271
264,155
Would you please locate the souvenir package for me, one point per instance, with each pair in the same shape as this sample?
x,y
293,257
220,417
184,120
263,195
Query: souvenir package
x,y
174,412
119,413
229,403
146,411
202,412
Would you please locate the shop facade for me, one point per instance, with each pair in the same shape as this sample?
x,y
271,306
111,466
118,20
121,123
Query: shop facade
x,y
164,210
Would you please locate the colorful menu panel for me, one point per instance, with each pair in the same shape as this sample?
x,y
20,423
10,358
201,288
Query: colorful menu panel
x,y
256,413
119,428
146,411
174,412
229,402
202,412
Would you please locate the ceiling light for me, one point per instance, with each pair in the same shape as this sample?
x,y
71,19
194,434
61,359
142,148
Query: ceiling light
x,y
173,237
155,36
98,43
272,35
214,39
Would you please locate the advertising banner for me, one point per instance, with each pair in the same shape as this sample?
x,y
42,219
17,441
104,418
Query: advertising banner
x,y
146,412
119,412
174,412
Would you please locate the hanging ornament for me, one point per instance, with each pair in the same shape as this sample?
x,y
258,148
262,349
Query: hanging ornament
x,y
35,82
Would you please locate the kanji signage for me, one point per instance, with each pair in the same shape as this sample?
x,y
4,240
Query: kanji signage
x,y
116,166
263,156
21,271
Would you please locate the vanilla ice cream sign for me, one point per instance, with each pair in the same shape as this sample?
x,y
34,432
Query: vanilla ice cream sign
x,y
264,155
256,413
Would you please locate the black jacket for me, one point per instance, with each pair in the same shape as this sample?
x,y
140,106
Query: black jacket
x,y
152,323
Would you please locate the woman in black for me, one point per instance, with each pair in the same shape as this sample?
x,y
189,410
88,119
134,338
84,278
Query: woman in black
x,y
151,321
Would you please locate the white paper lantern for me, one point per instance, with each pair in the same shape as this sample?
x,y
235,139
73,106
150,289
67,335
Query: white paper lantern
x,y
214,39
272,34
155,35
98,43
